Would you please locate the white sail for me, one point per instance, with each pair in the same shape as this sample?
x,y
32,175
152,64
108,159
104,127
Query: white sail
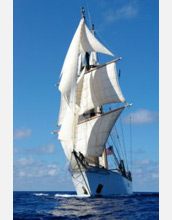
x,y
89,43
92,134
63,107
67,147
99,87
103,159
64,104
93,59
69,71
67,132
81,59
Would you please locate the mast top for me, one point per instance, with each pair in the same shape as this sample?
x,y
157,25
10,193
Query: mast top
x,y
83,12
93,28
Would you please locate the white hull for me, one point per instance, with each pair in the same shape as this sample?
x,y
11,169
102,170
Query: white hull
x,y
101,182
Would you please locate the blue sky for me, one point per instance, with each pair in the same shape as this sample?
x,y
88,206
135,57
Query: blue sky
x,y
42,33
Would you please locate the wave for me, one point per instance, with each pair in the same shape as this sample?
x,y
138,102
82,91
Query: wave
x,y
71,196
40,194
145,194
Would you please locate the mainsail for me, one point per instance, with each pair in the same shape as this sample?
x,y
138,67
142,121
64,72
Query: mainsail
x,y
83,90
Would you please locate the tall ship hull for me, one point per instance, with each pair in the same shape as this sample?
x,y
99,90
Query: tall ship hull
x,y
101,182
89,109
96,180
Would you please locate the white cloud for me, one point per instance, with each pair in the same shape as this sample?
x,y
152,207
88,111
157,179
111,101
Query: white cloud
x,y
145,173
28,168
52,165
49,149
52,172
141,116
142,162
24,161
41,175
42,150
125,12
22,133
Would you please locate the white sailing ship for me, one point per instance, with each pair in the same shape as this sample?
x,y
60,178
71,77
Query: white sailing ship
x,y
86,87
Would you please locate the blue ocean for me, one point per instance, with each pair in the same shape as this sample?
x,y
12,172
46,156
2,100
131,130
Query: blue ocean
x,y
67,205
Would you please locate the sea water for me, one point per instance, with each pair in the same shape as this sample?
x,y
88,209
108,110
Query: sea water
x,y
67,205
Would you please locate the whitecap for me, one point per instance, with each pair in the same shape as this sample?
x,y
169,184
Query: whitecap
x,y
72,196
40,194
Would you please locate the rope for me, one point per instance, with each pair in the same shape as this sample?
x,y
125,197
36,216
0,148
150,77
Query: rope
x,y
122,149
105,43
115,147
115,157
90,24
119,142
131,144
89,16
83,175
119,145
123,142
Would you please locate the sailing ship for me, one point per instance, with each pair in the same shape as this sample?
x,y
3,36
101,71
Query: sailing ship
x,y
86,88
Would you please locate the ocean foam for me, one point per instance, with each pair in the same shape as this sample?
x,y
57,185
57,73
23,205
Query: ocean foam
x,y
72,196
40,194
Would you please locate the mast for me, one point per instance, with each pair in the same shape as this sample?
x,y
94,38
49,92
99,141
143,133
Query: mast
x,y
100,66
105,159
107,113
87,56
93,56
75,110
83,12
93,29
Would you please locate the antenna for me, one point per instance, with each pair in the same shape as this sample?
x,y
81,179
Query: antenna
x,y
83,12
119,73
